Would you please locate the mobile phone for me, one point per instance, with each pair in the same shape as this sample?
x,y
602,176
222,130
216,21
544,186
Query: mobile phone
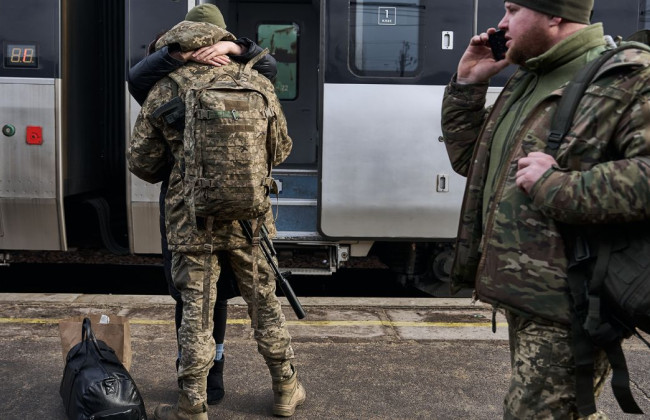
x,y
497,43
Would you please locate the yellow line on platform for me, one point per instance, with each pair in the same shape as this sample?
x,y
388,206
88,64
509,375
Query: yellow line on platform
x,y
324,323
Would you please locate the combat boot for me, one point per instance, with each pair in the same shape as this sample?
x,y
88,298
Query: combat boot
x,y
182,410
287,395
215,382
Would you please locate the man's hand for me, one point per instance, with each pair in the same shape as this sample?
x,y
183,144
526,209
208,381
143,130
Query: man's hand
x,y
217,54
477,64
531,168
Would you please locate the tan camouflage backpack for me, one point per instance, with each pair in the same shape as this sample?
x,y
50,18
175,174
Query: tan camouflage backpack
x,y
227,168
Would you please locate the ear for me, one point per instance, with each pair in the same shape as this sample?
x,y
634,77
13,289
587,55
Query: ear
x,y
554,21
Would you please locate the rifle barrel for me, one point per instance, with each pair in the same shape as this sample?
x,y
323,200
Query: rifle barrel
x,y
269,252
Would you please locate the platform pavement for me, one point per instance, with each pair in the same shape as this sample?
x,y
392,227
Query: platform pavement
x,y
358,358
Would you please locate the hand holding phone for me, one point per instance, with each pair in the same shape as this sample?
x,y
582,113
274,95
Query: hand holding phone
x,y
497,42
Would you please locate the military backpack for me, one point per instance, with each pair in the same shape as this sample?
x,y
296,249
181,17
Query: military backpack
x,y
609,270
226,166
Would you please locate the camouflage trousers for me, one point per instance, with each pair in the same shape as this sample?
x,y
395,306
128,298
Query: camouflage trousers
x,y
542,382
195,276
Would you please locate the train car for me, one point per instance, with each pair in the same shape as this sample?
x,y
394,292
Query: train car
x,y
361,83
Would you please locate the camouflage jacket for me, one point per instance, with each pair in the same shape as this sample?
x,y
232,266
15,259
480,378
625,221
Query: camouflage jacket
x,y
516,258
153,144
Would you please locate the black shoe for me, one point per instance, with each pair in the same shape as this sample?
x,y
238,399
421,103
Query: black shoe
x,y
215,382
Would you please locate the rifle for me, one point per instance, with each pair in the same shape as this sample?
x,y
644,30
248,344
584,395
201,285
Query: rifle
x,y
269,253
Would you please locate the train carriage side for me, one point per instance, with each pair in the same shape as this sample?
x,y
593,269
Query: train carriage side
x,y
31,177
369,175
361,84
63,178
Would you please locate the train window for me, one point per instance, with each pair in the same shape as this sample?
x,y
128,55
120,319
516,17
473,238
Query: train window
x,y
385,37
282,42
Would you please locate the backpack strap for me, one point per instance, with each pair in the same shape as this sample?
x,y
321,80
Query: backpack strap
x,y
246,70
566,109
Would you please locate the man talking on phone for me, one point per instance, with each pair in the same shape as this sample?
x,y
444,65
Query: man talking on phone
x,y
510,247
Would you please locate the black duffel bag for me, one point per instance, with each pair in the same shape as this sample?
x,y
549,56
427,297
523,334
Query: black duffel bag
x,y
96,385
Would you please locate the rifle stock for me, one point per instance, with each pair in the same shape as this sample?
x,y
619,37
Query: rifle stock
x,y
269,253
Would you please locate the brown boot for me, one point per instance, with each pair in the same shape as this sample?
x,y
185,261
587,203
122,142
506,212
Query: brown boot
x,y
182,410
287,395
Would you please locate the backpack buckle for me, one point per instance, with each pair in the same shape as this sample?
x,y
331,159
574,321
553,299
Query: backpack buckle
x,y
581,249
554,138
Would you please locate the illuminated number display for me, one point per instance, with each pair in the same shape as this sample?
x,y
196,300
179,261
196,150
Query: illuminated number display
x,y
21,55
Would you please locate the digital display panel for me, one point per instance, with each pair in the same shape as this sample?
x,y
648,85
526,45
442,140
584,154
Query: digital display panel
x,y
21,55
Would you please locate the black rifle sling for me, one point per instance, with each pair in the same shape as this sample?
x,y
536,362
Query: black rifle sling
x,y
592,332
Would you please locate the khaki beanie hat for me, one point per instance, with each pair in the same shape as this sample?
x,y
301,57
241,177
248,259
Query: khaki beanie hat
x,y
208,13
573,10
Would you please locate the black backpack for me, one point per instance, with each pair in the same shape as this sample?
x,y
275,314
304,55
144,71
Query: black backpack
x,y
609,270
96,385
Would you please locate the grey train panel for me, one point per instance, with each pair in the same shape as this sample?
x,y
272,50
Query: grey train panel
x,y
30,179
384,173
146,227
31,224
27,169
145,19
31,171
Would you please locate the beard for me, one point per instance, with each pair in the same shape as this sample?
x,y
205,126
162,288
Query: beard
x,y
532,43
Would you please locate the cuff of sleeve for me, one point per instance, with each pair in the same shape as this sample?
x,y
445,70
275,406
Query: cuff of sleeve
x,y
244,42
468,91
252,50
544,189
174,53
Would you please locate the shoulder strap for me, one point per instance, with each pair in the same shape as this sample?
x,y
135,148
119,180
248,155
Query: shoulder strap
x,y
571,97
246,71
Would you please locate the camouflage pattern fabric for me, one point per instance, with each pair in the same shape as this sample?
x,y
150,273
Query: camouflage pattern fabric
x,y
195,276
192,35
195,242
153,141
543,384
516,258
227,161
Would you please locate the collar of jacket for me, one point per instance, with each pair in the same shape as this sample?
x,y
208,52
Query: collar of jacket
x,y
569,49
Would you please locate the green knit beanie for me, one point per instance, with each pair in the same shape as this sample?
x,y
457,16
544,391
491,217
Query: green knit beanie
x,y
573,10
206,13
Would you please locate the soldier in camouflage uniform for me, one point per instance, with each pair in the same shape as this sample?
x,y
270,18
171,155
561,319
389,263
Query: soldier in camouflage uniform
x,y
199,247
142,77
509,246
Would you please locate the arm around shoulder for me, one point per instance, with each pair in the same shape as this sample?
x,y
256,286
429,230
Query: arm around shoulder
x,y
267,65
144,75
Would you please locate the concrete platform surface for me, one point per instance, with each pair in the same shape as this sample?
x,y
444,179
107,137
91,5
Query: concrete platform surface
x,y
358,358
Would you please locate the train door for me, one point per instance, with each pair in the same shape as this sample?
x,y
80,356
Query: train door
x,y
61,108
31,175
290,30
146,19
385,173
